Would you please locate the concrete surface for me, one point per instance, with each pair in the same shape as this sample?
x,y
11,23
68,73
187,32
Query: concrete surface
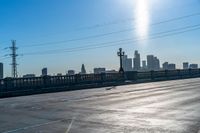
x,y
169,106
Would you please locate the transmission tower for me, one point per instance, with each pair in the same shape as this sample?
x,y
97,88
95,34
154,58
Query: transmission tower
x,y
14,62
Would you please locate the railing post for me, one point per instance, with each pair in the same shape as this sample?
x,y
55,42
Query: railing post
x,y
190,74
135,75
103,77
46,81
8,83
77,78
166,74
199,72
179,75
152,75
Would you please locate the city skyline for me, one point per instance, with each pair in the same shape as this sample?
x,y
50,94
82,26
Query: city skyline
x,y
47,37
134,63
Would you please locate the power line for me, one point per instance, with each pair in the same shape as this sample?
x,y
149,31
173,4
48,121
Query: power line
x,y
4,58
110,33
109,44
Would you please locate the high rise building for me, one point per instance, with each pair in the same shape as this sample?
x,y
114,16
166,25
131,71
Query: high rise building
x,y
126,63
83,71
44,71
165,66
150,62
156,63
153,63
1,70
144,65
185,65
136,61
193,66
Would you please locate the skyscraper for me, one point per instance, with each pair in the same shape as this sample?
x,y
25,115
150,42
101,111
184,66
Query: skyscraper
x,y
127,63
136,61
83,71
144,65
185,65
150,62
156,63
153,63
124,58
44,71
1,70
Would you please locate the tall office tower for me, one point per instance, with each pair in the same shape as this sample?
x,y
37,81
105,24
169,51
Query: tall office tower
x,y
1,70
150,62
83,71
44,71
185,65
144,64
171,66
136,61
156,63
124,58
165,66
126,63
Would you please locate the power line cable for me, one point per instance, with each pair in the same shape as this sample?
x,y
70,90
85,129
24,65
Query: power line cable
x,y
110,33
154,36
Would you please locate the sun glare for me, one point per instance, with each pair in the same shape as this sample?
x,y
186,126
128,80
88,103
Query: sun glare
x,y
142,18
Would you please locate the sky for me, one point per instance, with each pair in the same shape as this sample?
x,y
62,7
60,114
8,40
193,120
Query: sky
x,y
64,34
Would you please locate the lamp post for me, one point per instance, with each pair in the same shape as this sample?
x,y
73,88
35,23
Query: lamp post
x,y
120,53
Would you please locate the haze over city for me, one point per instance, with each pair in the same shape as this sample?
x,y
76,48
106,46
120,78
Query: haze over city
x,y
66,34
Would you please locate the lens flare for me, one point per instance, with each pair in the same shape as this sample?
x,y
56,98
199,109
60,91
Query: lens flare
x,y
142,18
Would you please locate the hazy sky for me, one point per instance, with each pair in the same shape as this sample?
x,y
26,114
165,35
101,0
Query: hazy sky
x,y
63,34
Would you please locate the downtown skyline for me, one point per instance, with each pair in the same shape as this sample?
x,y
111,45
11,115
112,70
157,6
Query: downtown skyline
x,y
35,24
129,63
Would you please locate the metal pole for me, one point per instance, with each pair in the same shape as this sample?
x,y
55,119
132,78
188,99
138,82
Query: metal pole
x,y
121,54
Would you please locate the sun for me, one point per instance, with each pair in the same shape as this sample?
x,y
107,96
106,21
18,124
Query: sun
x,y
142,18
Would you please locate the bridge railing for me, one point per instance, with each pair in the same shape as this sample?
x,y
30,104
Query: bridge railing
x,y
13,84
162,74
38,84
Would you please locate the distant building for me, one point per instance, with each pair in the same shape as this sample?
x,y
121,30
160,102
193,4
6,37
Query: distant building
x,y
59,74
44,71
144,65
83,71
111,71
156,63
29,76
185,65
71,72
153,63
193,66
99,70
171,66
136,61
126,63
165,66
150,62
1,70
